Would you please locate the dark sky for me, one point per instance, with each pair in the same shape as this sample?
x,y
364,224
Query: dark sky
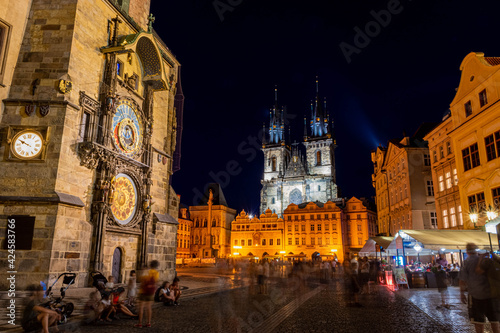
x,y
404,75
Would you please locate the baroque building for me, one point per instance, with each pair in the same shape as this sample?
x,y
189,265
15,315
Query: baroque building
x,y
88,134
184,234
445,176
211,220
289,176
403,184
475,137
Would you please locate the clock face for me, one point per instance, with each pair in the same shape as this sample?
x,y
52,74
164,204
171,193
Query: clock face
x,y
124,198
27,144
127,128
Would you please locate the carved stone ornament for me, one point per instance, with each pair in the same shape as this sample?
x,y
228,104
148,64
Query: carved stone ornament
x,y
29,109
88,102
89,154
44,110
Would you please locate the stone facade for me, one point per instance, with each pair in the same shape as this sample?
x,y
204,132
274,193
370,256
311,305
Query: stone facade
x,y
288,176
403,184
78,61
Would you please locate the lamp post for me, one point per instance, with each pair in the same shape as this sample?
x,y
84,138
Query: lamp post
x,y
474,217
418,248
491,214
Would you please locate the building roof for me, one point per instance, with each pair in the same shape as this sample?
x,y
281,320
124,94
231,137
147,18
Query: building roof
x,y
493,61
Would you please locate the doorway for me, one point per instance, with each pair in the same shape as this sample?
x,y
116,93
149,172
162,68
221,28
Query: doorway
x,y
116,265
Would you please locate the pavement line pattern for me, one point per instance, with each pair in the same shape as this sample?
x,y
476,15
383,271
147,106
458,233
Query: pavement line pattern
x,y
279,316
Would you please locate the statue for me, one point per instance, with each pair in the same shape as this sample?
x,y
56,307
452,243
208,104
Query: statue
x,y
151,20
210,197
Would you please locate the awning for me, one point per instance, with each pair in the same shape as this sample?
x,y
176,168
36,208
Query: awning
x,y
491,227
444,239
369,249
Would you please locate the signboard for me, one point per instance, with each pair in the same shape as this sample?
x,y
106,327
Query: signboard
x,y
399,273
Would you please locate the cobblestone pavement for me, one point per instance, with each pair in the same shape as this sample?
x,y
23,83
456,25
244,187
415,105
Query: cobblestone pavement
x,y
293,307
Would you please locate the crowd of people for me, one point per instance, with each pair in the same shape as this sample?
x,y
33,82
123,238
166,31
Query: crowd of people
x,y
479,276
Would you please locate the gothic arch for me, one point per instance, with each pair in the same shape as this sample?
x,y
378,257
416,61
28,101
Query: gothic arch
x,y
318,157
296,196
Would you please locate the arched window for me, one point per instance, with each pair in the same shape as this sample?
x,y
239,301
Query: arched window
x,y
318,157
205,223
197,223
273,162
273,201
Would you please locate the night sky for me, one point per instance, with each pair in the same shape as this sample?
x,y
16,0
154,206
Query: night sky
x,y
404,75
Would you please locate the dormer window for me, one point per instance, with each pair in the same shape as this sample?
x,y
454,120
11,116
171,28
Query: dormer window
x,y
483,100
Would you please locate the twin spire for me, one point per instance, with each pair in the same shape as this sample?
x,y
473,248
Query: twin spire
x,y
319,123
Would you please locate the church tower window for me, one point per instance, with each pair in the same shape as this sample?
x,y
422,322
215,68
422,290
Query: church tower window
x,y
273,162
318,158
273,201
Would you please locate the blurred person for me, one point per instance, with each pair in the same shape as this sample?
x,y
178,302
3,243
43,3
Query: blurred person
x,y
146,293
36,316
351,284
132,288
481,304
175,290
442,284
364,275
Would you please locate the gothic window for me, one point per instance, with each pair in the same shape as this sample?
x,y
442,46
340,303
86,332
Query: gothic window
x,y
273,162
296,197
4,38
123,4
119,68
273,201
319,188
318,157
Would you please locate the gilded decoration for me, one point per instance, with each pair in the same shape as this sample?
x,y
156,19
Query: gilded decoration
x,y
124,202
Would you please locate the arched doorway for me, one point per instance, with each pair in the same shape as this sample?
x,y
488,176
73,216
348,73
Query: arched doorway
x,y
316,256
116,264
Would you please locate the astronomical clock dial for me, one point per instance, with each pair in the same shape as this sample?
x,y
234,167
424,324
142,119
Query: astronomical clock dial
x,y
127,128
124,202
27,145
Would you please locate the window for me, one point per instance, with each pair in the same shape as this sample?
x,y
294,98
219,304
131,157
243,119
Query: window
x,y
359,215
4,39
434,156
434,221
427,160
445,219
441,152
273,201
319,227
476,202
273,163
235,242
430,188
297,241
326,216
242,242
320,241
468,109
453,217
303,227
448,148
318,217
289,218
312,227
303,241
455,177
334,216
360,241
313,241
302,217
470,156
318,158
124,4
492,143
296,227
289,241
448,180
311,217
496,196
334,226
119,68
296,217
278,242
460,219
483,100
327,226
249,242
319,188
271,241
289,228
85,134
263,242
359,227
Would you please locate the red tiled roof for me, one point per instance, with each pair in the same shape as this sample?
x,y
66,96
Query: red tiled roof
x,y
493,61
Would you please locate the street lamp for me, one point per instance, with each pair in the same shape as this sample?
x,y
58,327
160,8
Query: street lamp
x,y
491,214
418,248
474,217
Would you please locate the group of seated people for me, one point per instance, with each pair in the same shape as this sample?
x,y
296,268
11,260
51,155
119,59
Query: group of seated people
x,y
168,293
105,303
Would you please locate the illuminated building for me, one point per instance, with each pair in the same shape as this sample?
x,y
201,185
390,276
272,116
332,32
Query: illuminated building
x,y
289,176
211,231
184,234
403,184
475,136
89,125
445,176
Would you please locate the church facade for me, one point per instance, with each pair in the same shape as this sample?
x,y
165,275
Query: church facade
x,y
88,134
290,176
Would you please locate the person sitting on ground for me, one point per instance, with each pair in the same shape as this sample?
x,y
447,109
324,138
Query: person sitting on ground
x,y
108,308
175,290
164,294
93,307
120,306
35,316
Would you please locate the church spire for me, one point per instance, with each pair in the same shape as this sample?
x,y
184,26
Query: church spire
x,y
276,122
319,120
